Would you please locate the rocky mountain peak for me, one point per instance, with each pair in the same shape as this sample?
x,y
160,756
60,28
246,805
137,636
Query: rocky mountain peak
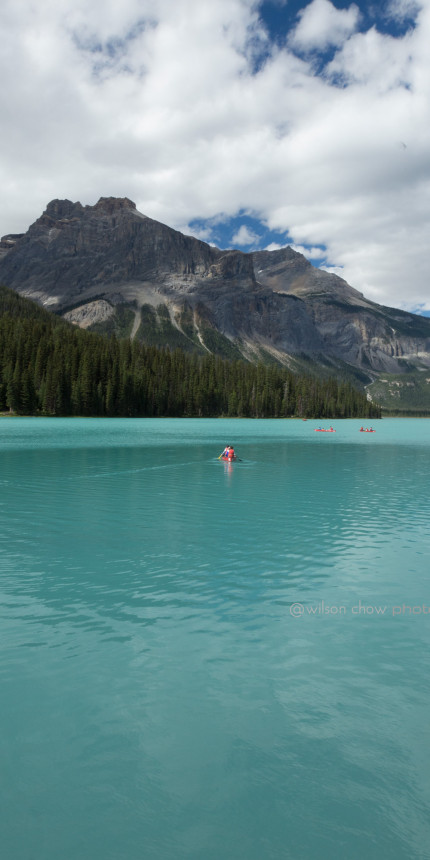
x,y
58,209
109,205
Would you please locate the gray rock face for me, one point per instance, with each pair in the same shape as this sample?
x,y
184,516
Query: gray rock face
x,y
273,301
7,243
87,315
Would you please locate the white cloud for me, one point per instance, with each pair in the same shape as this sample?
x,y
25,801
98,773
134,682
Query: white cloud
x,y
322,25
376,61
273,246
310,253
158,100
400,10
333,270
245,236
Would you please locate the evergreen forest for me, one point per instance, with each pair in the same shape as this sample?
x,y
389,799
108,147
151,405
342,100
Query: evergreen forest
x,y
49,367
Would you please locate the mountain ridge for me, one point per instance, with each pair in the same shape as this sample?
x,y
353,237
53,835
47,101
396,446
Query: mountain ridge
x,y
108,265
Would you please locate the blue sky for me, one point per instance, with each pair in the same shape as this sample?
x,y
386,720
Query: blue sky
x,y
280,18
249,233
249,125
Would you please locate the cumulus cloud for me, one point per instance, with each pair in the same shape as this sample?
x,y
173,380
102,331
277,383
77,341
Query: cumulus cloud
x,y
245,236
377,62
310,253
322,25
401,10
273,246
333,270
186,107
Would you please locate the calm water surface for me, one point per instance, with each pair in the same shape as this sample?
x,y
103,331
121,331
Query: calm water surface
x,y
210,661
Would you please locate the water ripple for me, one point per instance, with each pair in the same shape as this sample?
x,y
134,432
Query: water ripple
x,y
157,687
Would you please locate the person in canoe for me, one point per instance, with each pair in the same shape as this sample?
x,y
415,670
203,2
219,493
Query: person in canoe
x,y
228,453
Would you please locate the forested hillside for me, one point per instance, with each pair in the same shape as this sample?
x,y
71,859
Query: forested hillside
x,y
49,367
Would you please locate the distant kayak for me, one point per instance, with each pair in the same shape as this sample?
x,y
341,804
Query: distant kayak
x,y
228,459
324,430
362,430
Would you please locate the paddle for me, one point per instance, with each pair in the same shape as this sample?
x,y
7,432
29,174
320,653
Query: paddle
x,y
222,454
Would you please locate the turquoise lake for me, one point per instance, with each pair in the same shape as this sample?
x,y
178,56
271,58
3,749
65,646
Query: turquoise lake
x,y
204,661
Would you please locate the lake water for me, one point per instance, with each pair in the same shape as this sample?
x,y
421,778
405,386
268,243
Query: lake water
x,y
203,661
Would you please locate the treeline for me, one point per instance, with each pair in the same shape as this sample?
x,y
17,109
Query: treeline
x,y
49,367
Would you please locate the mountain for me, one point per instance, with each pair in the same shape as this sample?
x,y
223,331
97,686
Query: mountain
x,y
109,268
